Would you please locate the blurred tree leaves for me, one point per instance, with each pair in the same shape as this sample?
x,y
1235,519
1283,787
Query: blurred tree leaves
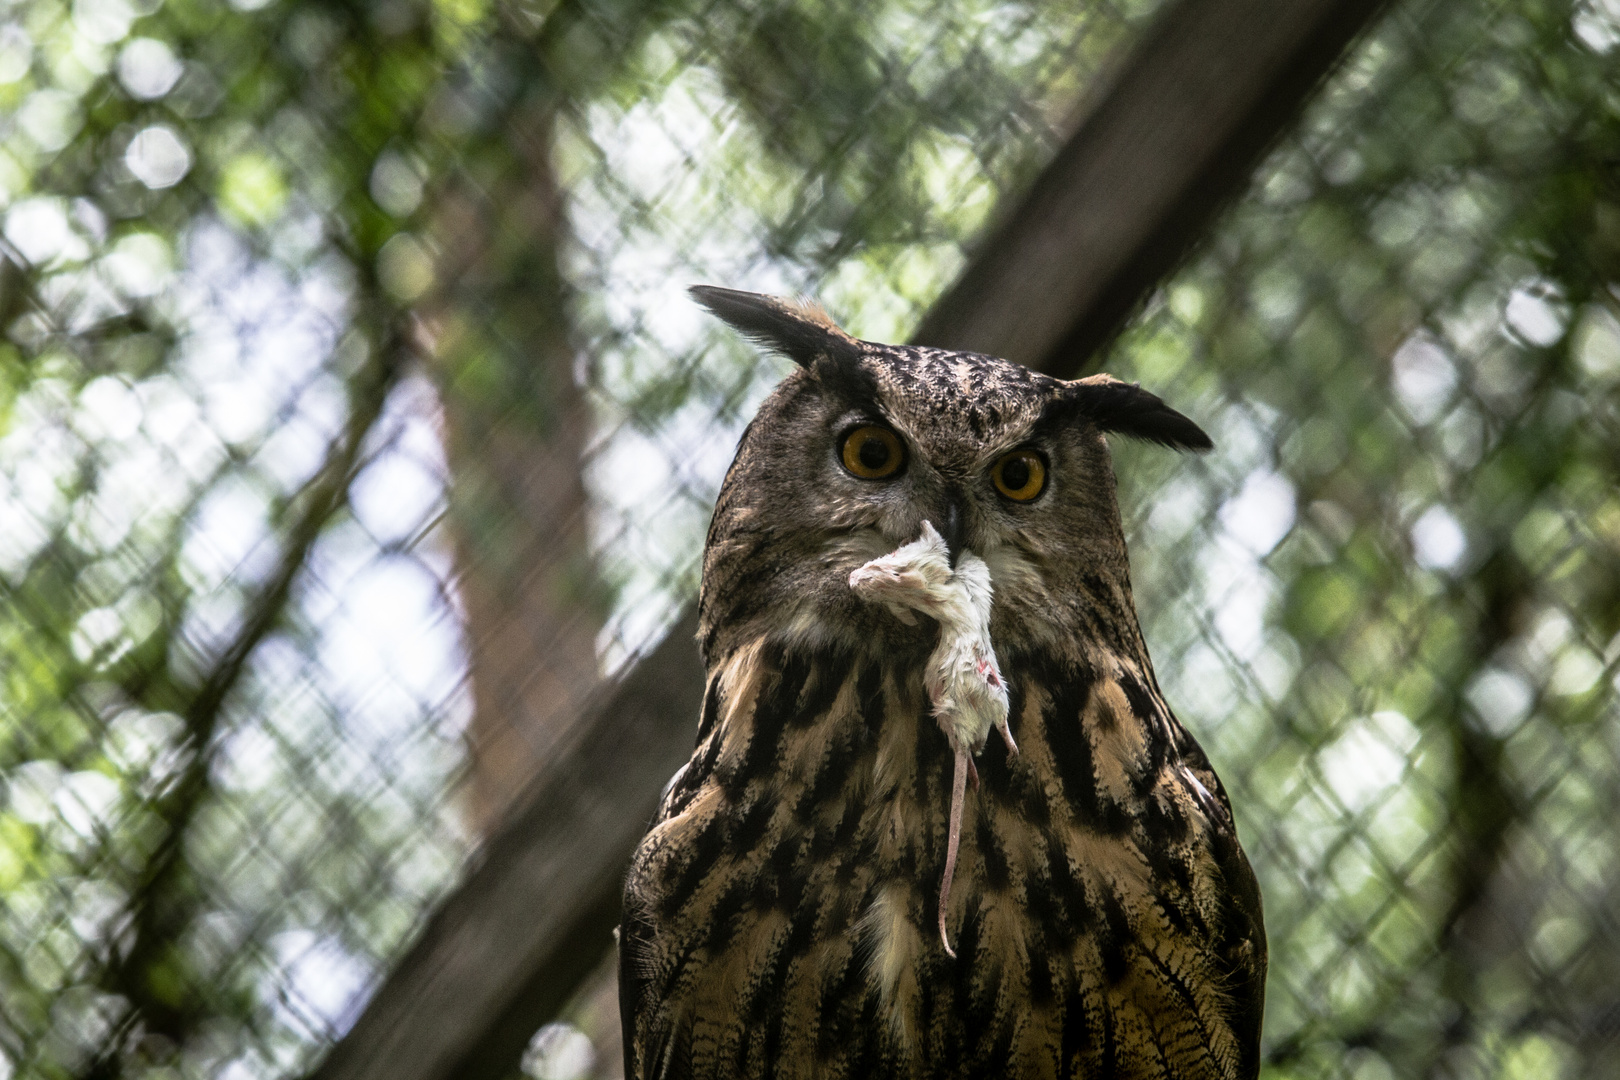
x,y
236,238
1387,332
1389,603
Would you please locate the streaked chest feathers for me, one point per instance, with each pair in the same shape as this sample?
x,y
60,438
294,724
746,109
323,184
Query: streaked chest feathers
x,y
801,864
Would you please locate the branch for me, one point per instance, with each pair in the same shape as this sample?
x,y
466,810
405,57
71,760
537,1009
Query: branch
x,y
161,879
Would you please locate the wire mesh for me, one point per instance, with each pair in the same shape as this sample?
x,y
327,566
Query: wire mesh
x,y
313,312
352,422
1387,603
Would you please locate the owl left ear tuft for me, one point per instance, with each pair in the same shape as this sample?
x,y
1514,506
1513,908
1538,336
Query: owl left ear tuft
x,y
802,331
1127,409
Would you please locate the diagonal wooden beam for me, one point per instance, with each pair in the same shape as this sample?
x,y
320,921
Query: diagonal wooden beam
x,y
504,952
1165,144
1173,135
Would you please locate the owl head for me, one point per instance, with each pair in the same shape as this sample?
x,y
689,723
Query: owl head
x,y
864,442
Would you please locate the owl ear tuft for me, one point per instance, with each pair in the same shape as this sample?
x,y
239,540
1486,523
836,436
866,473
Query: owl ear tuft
x,y
1127,409
802,331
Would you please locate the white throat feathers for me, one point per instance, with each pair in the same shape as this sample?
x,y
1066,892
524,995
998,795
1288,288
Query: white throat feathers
x,y
962,677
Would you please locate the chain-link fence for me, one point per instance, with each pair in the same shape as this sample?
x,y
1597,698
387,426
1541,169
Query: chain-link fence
x,y
1389,603
353,422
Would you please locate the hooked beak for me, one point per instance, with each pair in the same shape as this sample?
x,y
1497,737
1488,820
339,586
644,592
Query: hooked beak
x,y
951,526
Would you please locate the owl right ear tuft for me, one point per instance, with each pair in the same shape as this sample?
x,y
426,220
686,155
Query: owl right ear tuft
x,y
1129,410
801,331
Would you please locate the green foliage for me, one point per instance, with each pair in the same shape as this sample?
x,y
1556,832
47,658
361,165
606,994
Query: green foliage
x,y
1397,333
1389,602
232,234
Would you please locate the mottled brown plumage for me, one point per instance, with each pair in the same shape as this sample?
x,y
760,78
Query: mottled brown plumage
x,y
780,914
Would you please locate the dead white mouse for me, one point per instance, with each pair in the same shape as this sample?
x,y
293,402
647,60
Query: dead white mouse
x,y
962,677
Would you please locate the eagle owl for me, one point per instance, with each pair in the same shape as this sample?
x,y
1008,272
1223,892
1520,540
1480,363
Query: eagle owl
x,y
791,912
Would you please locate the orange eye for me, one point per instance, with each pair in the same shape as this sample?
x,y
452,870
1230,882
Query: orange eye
x,y
1020,475
873,453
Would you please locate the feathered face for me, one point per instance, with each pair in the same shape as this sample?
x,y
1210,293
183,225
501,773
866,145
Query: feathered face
x,y
854,451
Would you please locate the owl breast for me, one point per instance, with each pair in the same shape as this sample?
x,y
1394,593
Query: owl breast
x,y
780,913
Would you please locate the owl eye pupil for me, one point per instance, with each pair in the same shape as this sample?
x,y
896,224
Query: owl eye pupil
x,y
872,453
1020,475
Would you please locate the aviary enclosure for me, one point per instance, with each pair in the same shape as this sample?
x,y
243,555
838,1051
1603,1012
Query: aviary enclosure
x,y
357,441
